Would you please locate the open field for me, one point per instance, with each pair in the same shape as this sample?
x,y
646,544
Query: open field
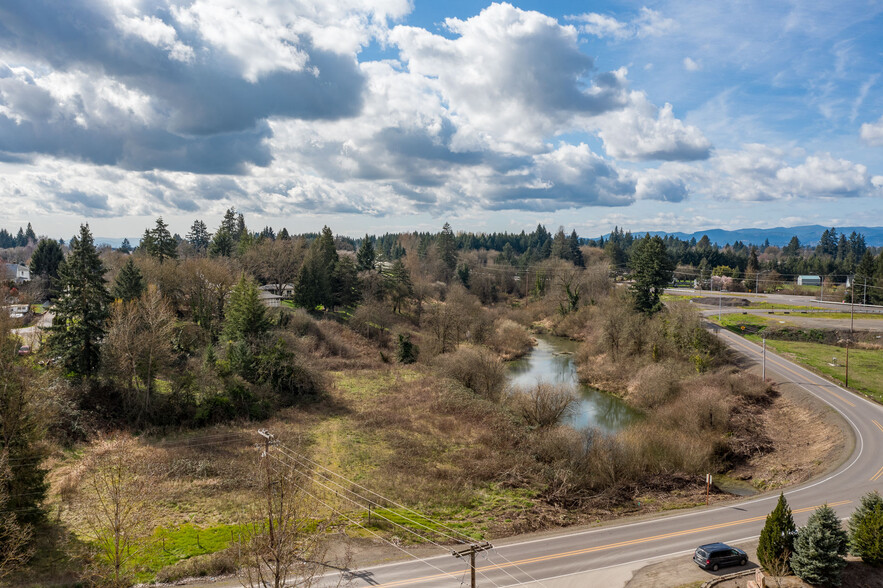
x,y
865,365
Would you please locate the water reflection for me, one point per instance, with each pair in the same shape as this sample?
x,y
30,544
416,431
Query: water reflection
x,y
552,361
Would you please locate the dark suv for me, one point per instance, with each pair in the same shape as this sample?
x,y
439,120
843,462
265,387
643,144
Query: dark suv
x,y
719,555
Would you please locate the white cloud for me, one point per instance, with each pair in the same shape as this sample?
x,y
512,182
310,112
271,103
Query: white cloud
x,y
872,133
691,65
649,23
514,77
758,173
641,131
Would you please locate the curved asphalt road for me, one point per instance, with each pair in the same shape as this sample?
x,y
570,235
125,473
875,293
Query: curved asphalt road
x,y
539,561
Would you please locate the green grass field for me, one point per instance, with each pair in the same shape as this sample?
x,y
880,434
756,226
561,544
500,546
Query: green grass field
x,y
865,365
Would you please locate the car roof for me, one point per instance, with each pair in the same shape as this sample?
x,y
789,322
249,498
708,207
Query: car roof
x,y
709,546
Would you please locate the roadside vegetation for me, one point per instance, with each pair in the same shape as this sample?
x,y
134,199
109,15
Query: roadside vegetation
x,y
381,360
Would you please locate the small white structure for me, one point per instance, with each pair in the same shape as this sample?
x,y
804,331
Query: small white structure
x,y
17,310
284,290
18,273
269,299
809,280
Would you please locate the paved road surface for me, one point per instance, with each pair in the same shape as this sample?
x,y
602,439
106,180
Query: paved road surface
x,y
554,561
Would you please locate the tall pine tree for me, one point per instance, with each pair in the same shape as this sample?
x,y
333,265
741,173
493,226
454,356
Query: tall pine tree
x,y
820,549
129,283
776,542
81,310
866,530
366,256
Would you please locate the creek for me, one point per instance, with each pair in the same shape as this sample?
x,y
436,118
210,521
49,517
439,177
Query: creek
x,y
552,360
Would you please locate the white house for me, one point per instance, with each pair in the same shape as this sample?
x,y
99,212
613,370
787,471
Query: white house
x,y
809,280
284,290
18,273
269,299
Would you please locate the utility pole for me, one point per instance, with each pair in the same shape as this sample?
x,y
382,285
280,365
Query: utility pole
x,y
763,369
268,440
852,307
847,363
720,300
471,551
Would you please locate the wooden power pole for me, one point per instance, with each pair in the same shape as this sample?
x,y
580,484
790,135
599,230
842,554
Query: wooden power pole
x,y
471,551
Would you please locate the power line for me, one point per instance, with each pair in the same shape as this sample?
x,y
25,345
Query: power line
x,y
420,515
392,522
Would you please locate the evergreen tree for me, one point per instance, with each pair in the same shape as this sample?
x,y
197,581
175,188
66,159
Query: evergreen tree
x,y
199,236
315,281
652,270
45,261
397,283
366,256
283,234
125,246
222,244
245,316
792,249
30,235
129,283
20,239
576,254
866,530
147,245
326,249
560,249
81,310
447,249
161,244
345,283
820,549
776,542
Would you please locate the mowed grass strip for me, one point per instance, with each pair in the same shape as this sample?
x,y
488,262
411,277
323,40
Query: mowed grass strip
x,y
865,365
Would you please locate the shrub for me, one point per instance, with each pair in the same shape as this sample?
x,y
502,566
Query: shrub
x,y
654,385
407,352
777,539
510,339
545,404
819,549
211,564
866,530
477,368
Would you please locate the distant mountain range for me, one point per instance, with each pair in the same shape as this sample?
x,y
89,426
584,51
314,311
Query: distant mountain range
x,y
779,236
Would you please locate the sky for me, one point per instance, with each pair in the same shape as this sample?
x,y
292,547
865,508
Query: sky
x,y
396,115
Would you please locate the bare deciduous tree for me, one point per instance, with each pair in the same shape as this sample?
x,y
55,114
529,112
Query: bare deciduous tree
x,y
285,541
545,404
138,345
15,538
116,501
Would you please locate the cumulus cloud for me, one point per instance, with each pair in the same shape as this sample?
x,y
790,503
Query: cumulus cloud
x,y
515,77
872,133
644,132
211,76
124,107
758,173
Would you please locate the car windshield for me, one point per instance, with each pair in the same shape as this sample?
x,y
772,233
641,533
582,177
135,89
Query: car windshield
x,y
701,552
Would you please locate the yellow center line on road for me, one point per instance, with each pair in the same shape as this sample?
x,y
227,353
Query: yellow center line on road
x,y
879,426
586,550
797,375
876,476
